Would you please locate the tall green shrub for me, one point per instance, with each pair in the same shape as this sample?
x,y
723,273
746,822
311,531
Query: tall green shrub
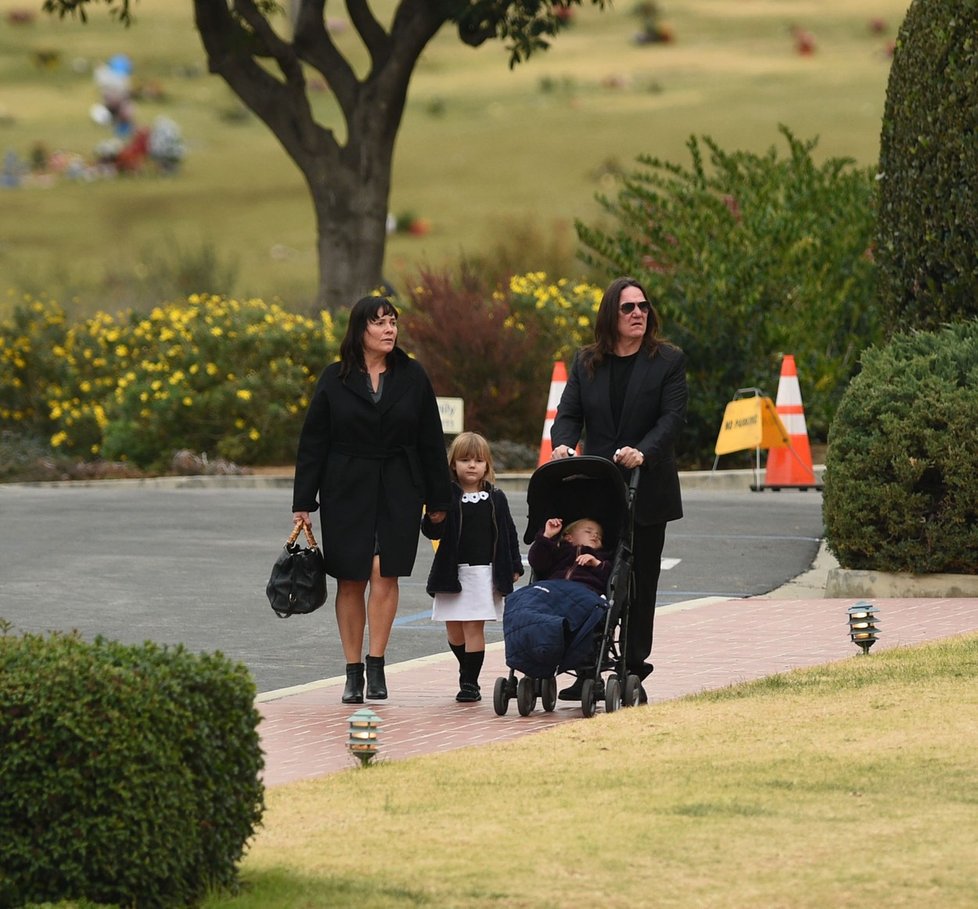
x,y
928,210
749,257
901,491
130,774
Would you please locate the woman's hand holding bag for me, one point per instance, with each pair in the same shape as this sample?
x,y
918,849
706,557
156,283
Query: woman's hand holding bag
x,y
297,584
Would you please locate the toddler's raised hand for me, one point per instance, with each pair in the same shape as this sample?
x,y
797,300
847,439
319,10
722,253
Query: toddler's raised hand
x,y
552,527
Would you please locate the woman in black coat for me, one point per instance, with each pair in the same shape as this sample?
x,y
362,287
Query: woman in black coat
x,y
626,394
371,455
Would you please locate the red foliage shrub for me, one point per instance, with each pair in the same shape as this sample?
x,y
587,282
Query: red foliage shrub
x,y
458,329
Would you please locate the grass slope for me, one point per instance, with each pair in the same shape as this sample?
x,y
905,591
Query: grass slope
x,y
852,784
484,152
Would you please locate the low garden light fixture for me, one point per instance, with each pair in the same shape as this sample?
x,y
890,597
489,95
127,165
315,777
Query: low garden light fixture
x,y
364,735
863,626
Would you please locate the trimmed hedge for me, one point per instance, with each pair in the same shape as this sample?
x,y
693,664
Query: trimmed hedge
x,y
901,490
927,229
130,773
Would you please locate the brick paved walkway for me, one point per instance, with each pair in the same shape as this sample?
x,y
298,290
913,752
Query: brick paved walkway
x,y
700,645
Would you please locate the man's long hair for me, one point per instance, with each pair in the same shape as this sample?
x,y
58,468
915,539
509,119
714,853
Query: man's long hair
x,y
606,326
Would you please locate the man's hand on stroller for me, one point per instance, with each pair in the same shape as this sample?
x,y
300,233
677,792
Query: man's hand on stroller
x,y
561,451
629,457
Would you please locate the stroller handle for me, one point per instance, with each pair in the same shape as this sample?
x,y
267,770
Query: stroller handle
x,y
633,479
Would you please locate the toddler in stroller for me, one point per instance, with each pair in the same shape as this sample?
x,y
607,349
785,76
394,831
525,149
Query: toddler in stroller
x,y
574,555
573,614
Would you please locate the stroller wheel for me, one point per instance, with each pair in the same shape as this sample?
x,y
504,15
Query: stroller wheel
x,y
526,698
633,685
587,698
612,694
500,696
548,694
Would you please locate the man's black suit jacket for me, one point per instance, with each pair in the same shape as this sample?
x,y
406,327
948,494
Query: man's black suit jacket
x,y
652,417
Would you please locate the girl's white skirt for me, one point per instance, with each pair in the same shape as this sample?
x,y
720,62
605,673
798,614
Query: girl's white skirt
x,y
477,601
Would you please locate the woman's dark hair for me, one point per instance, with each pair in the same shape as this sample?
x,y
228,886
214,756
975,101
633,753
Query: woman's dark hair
x,y
351,347
606,326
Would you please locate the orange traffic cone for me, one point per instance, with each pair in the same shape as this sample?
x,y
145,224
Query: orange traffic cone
x,y
791,467
558,380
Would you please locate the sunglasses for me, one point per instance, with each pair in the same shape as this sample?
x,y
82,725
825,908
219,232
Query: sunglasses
x,y
644,306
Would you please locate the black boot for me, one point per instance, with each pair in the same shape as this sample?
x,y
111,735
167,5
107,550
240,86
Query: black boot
x,y
353,693
574,692
459,651
469,677
376,683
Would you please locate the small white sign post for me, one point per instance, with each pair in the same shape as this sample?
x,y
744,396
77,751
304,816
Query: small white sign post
x,y
451,411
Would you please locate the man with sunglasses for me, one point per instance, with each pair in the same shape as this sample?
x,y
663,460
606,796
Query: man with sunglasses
x,y
626,398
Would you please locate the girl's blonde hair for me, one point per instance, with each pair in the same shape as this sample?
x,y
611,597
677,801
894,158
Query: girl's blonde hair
x,y
471,445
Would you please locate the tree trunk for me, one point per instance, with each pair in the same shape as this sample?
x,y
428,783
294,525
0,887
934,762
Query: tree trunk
x,y
350,183
351,205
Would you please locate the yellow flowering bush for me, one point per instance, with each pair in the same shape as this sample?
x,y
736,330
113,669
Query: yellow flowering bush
x,y
562,310
223,376
29,339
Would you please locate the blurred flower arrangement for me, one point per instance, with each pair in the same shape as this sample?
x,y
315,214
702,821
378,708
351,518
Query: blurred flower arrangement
x,y
211,374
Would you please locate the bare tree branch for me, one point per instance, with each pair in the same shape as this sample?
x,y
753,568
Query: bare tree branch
x,y
370,30
314,45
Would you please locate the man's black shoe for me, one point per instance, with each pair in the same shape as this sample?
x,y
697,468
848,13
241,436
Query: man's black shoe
x,y
573,693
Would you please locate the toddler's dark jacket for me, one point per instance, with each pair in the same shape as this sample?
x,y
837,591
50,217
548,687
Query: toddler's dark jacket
x,y
506,559
551,557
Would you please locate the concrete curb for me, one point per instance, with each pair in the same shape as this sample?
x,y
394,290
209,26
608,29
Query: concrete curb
x,y
516,481
843,582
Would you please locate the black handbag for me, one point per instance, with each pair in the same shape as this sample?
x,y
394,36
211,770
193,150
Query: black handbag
x,y
297,585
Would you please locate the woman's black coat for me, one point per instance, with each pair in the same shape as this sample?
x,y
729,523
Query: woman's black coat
x,y
372,467
506,559
652,416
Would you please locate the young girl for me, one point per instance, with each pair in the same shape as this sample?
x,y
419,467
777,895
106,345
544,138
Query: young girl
x,y
477,560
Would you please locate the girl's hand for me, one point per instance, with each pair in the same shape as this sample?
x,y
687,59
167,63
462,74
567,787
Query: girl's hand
x,y
436,516
516,576
552,527
301,517
586,560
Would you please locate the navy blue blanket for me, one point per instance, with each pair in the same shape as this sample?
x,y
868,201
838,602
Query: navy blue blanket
x,y
550,626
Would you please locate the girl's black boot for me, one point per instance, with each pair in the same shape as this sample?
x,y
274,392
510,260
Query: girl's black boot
x,y
353,693
376,682
459,651
469,686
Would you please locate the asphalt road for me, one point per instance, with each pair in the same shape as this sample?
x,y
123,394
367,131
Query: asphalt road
x,y
189,565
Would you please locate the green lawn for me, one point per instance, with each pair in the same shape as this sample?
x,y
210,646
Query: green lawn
x,y
852,784
484,153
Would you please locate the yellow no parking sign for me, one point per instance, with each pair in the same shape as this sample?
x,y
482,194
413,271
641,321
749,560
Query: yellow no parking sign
x,y
751,423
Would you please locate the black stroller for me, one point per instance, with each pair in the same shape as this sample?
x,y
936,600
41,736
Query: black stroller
x,y
574,488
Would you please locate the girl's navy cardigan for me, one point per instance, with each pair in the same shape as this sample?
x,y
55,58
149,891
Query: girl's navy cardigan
x,y
506,559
